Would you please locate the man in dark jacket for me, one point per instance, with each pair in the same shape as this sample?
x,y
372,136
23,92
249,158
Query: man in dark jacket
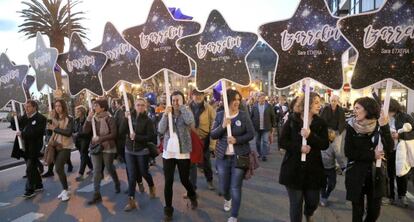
x,y
119,115
264,122
334,116
32,127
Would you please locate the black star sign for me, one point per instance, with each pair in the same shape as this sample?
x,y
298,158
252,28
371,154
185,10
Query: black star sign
x,y
308,45
155,40
219,53
122,59
11,81
43,61
384,41
82,67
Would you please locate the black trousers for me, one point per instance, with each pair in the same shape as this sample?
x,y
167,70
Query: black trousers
x,y
373,204
402,182
184,171
85,160
34,180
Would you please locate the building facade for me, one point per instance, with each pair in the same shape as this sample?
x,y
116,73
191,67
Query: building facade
x,y
352,7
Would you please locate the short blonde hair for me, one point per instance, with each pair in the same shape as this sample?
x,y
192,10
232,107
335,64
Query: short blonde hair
x,y
81,108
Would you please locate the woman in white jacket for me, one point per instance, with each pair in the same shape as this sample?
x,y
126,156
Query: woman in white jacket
x,y
397,120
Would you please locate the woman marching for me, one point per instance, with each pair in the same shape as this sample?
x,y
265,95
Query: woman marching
x,y
303,180
230,166
183,121
137,151
62,127
105,138
363,178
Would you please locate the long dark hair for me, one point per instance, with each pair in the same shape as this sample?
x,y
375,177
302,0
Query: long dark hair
x,y
65,112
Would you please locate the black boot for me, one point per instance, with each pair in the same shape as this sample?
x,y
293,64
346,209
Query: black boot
x,y
168,214
95,199
194,202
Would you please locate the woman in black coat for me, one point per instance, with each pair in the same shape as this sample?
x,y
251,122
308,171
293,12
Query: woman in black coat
x,y
303,180
397,120
362,177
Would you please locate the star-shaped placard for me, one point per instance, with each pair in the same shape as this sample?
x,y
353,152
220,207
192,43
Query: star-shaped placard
x,y
27,83
384,41
219,52
122,59
43,61
11,81
82,67
155,41
309,45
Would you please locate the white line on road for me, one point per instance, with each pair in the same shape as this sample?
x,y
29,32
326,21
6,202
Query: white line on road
x,y
32,216
89,188
4,204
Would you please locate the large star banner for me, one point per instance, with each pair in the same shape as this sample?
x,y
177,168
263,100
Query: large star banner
x,y
219,53
384,41
155,41
82,67
43,61
11,81
308,45
122,59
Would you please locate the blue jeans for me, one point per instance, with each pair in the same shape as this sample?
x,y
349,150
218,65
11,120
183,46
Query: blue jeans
x,y
137,166
230,182
262,142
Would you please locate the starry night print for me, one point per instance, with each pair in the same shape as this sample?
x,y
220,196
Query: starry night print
x,y
82,67
11,81
155,41
219,53
308,45
43,61
384,41
122,59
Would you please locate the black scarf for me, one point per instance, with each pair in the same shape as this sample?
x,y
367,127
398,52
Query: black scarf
x,y
197,109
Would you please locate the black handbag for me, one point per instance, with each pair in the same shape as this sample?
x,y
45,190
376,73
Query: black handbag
x,y
153,150
242,162
95,149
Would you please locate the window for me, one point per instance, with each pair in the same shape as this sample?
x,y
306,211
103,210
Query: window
x,y
378,3
367,5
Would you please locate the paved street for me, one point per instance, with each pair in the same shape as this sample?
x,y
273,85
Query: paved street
x,y
264,200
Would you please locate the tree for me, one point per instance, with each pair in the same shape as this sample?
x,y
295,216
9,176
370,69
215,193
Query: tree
x,y
53,19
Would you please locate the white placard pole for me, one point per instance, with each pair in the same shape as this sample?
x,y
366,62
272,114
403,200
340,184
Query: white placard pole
x,y
226,109
127,108
385,108
88,95
168,95
306,114
49,99
21,109
16,122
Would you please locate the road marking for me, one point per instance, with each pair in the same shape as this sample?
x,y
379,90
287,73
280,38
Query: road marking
x,y
89,188
4,204
12,168
30,217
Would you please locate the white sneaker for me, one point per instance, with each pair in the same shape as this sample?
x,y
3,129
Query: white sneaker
x,y
65,195
227,206
232,219
61,194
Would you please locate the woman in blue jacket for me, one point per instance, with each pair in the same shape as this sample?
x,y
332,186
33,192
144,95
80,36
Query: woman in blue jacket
x,y
230,158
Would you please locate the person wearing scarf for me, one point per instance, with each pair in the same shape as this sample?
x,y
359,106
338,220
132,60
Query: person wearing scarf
x,y
106,134
363,178
62,127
